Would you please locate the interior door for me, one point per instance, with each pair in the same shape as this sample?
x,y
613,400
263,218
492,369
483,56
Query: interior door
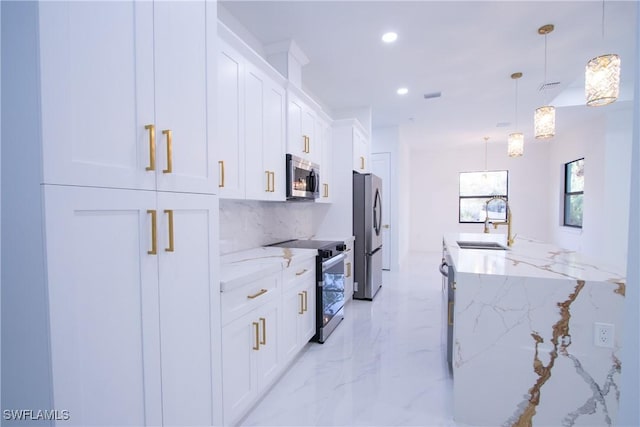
x,y
381,166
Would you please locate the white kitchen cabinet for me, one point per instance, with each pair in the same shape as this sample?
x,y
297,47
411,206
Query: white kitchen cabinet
x,y
114,80
231,123
361,152
348,270
326,170
130,300
250,357
298,309
302,138
264,136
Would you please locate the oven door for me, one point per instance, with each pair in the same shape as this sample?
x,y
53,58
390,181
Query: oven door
x,y
331,295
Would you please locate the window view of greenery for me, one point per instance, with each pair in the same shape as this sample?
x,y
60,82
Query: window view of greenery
x,y
476,188
573,193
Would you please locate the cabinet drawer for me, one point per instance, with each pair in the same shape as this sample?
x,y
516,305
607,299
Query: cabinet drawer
x,y
305,270
240,301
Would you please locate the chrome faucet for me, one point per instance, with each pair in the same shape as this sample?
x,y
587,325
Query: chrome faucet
x,y
510,239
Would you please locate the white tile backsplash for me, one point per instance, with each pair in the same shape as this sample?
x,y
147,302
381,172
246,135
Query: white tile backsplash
x,y
246,224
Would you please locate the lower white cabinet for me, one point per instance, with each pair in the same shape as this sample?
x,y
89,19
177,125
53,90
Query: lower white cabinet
x,y
298,311
348,270
131,289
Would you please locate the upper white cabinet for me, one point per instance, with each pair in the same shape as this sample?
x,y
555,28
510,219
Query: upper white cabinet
x,y
361,151
115,80
324,133
252,123
302,139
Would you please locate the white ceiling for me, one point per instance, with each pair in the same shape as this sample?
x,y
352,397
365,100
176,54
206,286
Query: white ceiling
x,y
465,49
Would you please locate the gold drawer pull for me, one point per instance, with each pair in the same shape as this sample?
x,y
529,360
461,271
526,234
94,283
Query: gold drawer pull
x,y
273,181
348,270
256,330
361,162
262,292
301,295
170,218
154,235
152,147
450,313
305,308
169,135
268,190
300,273
221,183
264,331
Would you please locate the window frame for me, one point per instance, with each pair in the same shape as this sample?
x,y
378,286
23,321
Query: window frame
x,y
480,196
568,194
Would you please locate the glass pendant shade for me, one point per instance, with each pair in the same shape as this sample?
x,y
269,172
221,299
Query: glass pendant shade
x,y
515,144
545,122
602,80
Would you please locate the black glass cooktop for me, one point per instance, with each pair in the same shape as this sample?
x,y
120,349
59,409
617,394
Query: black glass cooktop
x,y
308,244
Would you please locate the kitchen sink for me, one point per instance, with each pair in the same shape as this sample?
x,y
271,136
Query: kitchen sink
x,y
465,244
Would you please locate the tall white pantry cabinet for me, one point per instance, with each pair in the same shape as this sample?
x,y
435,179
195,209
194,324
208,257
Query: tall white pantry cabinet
x,y
110,304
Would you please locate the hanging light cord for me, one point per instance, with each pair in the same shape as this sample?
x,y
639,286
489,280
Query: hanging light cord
x,y
602,19
545,59
516,104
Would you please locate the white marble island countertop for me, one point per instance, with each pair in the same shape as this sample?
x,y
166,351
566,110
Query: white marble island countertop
x,y
239,268
525,348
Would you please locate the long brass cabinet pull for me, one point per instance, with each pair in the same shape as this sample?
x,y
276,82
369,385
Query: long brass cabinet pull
x,y
268,190
326,190
154,235
273,181
361,162
300,273
305,308
450,313
221,183
348,270
301,295
152,147
170,219
169,135
256,295
256,330
263,321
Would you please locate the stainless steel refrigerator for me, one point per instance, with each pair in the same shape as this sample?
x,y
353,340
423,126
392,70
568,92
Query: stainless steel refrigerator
x,y
367,228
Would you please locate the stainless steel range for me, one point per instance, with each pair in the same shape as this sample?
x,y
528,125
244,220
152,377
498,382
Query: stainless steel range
x,y
329,283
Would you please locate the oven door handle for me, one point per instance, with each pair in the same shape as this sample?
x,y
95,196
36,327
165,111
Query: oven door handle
x,y
442,267
333,261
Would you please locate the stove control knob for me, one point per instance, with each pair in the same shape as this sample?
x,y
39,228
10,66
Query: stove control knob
x,y
325,253
341,247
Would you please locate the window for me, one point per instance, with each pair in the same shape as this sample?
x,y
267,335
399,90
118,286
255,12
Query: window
x,y
573,193
476,188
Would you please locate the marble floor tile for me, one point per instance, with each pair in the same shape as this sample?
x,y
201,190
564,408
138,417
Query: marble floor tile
x,y
382,366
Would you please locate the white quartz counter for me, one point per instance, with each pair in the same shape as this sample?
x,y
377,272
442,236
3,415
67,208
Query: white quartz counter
x,y
242,267
525,347
526,258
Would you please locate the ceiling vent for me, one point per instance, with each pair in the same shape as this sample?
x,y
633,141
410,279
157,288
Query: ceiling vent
x,y
432,95
545,87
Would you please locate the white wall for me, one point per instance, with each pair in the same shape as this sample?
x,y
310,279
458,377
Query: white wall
x,y
605,144
434,190
404,201
629,414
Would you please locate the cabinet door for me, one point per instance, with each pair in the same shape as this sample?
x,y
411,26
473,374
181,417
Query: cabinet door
x,y
268,357
103,302
275,139
360,152
258,178
314,147
230,123
296,143
326,165
184,152
240,343
292,309
187,249
308,318
96,67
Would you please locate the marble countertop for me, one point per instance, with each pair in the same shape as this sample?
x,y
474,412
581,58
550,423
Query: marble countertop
x,y
239,268
526,258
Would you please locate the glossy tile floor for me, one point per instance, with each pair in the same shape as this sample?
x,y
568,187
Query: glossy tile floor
x,y
382,366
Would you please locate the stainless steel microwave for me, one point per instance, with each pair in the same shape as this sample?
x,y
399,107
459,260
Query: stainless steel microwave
x,y
303,179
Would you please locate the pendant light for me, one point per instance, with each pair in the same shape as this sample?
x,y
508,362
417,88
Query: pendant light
x,y
545,117
602,77
515,142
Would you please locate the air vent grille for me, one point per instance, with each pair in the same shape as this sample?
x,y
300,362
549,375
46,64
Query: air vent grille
x,y
432,95
548,86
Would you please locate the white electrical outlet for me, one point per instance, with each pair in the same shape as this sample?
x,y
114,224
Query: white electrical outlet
x,y
603,335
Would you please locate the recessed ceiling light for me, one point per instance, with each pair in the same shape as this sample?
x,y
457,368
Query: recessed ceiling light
x,y
389,37
403,91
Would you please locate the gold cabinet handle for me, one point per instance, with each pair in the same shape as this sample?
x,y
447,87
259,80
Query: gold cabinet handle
x,y
169,135
308,144
301,295
305,301
268,190
256,330
154,235
300,273
273,182
450,313
263,321
348,270
261,292
221,164
326,190
152,147
170,219
304,141
361,162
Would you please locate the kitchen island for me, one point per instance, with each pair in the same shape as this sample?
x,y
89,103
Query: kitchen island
x,y
536,336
